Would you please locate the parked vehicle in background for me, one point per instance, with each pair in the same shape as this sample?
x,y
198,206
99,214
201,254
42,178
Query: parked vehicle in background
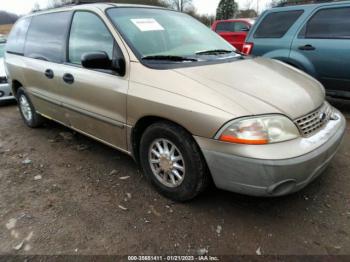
x,y
234,31
163,88
5,90
313,38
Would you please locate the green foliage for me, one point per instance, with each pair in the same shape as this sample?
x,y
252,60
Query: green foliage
x,y
227,9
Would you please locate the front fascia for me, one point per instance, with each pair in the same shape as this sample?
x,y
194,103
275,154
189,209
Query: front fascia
x,y
277,151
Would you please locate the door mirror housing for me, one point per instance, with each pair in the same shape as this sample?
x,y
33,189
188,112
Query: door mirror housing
x,y
100,60
96,60
119,66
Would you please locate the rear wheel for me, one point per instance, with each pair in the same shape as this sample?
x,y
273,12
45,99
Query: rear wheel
x,y
172,161
27,110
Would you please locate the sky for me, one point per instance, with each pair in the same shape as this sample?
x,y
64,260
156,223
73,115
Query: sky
x,y
209,6
202,6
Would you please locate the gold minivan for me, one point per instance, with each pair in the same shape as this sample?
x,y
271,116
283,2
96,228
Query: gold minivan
x,y
163,88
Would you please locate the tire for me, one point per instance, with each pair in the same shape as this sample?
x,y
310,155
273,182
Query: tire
x,y
29,115
185,154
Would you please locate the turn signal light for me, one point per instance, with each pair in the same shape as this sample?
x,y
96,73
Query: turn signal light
x,y
235,140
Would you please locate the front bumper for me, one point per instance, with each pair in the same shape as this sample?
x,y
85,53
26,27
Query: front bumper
x,y
6,92
276,176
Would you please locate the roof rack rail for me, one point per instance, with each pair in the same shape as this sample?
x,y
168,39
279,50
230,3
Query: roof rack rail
x,y
82,2
304,2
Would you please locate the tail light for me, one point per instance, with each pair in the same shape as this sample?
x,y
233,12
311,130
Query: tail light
x,y
247,48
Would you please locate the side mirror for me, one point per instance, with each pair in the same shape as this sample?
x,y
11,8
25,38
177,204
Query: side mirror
x,y
100,60
119,66
96,60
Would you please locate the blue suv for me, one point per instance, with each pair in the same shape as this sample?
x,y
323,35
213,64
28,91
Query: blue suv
x,y
314,38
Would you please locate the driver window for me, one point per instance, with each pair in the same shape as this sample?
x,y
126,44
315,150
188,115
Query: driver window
x,y
88,34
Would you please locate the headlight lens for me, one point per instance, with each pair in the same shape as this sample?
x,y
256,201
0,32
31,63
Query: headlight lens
x,y
259,130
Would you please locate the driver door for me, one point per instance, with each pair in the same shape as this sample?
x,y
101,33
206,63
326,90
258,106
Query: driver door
x,y
95,99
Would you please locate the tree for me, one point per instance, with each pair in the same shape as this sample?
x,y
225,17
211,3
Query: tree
x,y
58,3
226,9
208,20
36,7
7,18
247,13
180,5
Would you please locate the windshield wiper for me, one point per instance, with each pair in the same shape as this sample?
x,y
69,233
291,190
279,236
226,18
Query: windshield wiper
x,y
169,58
214,52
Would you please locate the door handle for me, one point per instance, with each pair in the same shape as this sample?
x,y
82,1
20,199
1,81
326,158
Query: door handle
x,y
68,78
49,74
307,48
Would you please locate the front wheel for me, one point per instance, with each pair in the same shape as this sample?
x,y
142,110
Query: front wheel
x,y
172,161
30,117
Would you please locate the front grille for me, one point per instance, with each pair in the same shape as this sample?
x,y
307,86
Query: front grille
x,y
313,122
3,80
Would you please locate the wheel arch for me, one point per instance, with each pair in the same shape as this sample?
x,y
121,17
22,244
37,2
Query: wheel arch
x,y
15,86
139,128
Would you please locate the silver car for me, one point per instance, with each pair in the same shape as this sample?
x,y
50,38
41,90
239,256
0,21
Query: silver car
x,y
5,90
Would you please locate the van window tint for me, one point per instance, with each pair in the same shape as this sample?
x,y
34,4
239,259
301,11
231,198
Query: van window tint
x,y
329,23
277,24
47,36
88,34
231,27
17,37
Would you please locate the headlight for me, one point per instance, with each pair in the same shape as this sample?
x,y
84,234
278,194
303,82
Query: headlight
x,y
259,130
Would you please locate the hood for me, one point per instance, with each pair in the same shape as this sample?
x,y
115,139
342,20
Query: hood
x,y
2,67
261,86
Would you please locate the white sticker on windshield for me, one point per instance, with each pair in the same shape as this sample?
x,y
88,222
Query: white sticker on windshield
x,y
147,24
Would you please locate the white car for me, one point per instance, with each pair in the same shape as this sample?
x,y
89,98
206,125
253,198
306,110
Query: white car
x,y
5,90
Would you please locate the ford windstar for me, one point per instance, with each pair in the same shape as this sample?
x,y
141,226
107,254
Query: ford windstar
x,y
165,89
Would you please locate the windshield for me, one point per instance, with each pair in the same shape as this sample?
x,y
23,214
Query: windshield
x,y
2,47
156,32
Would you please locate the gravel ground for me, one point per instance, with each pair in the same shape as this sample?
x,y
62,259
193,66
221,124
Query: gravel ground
x,y
63,193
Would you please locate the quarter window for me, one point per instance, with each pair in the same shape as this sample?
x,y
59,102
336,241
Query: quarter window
x,y
17,37
88,34
329,23
46,37
277,24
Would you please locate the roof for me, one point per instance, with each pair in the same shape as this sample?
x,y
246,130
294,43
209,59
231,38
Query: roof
x,y
250,20
89,6
311,5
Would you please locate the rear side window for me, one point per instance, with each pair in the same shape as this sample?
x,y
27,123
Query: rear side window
x,y
88,34
277,24
17,37
329,23
47,36
231,27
